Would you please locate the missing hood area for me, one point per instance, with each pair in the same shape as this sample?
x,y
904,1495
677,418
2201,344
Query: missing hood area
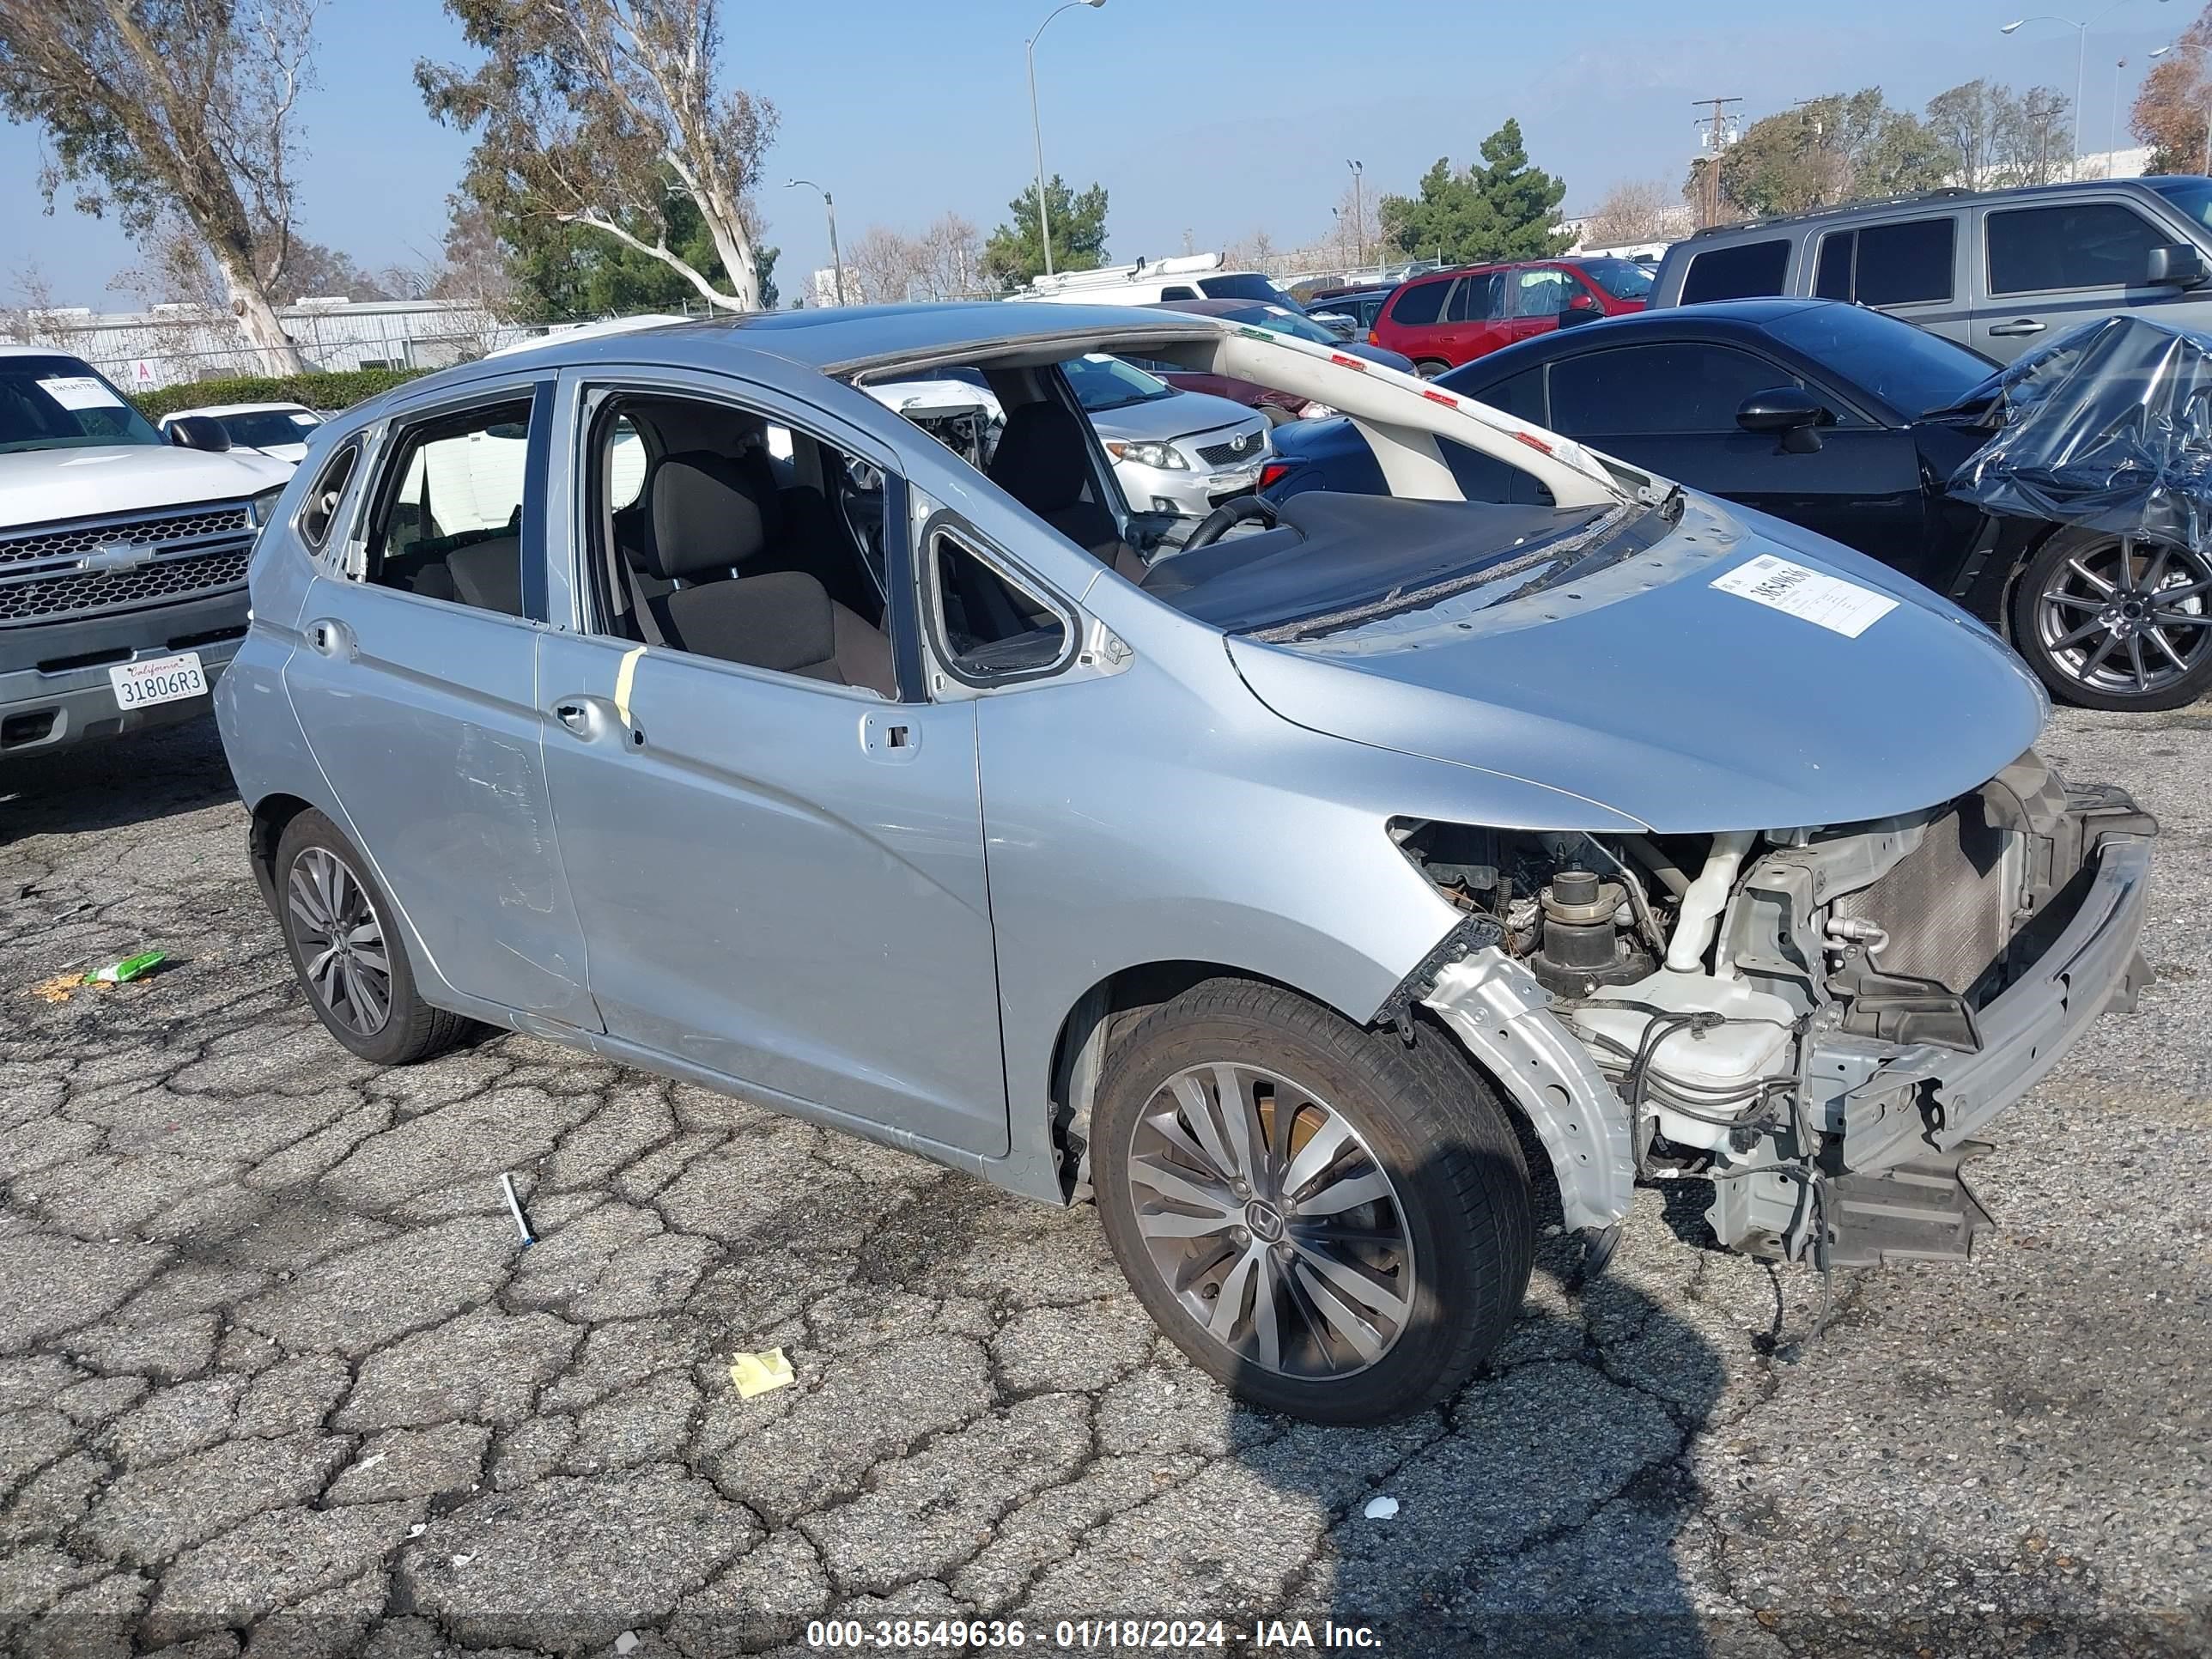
x,y
1334,563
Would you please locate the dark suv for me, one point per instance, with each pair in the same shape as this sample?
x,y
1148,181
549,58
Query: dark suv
x,y
1453,317
1999,271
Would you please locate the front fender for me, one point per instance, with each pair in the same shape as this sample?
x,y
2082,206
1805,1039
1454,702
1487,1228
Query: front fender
x,y
1498,1010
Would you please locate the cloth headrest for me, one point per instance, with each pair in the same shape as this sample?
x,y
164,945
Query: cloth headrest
x,y
709,513
1041,458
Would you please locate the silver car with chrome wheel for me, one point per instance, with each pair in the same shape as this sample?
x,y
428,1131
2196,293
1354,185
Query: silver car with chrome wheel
x,y
668,695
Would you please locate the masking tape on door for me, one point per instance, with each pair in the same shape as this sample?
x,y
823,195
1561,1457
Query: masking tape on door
x,y
624,676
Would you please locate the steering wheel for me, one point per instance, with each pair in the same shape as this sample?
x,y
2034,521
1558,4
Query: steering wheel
x,y
1216,525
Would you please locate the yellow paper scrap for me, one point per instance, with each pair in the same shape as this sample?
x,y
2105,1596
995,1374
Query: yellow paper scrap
x,y
756,1373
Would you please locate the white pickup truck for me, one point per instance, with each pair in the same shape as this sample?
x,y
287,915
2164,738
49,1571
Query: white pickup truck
x,y
122,557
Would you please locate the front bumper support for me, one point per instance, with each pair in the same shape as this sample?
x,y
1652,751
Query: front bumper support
x,y
1930,1100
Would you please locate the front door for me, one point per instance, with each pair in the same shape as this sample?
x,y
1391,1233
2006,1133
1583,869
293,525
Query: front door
x,y
1861,486
417,689
779,875
2051,268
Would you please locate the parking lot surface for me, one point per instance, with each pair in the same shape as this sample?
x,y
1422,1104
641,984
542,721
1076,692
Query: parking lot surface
x,y
275,1373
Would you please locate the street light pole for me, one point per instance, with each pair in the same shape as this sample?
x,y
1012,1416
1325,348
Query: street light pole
x,y
836,259
2112,128
2080,65
1036,129
1358,215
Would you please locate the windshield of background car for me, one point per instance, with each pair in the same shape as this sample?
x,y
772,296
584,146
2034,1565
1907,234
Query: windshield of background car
x,y
59,402
2193,196
1908,368
1249,285
1105,383
266,428
1624,279
1277,320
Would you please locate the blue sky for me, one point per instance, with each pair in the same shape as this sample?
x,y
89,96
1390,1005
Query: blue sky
x,y
1197,116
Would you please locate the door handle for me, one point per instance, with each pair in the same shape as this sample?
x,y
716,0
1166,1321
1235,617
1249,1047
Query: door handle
x,y
2018,325
330,639
891,738
593,719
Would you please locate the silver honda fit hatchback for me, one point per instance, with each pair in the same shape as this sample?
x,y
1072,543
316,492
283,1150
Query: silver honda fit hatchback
x,y
665,694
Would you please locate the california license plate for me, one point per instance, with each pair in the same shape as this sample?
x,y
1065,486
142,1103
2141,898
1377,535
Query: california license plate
x,y
158,679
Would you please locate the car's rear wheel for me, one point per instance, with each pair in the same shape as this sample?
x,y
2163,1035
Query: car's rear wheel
x,y
2119,623
1335,1223
1429,367
350,959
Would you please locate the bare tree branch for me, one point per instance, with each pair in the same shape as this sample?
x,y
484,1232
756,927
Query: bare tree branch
x,y
181,117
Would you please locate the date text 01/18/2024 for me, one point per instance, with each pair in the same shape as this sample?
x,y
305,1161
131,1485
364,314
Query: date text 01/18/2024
x,y
1085,1635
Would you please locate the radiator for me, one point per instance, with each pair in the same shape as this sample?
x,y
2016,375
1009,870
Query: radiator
x,y
1947,907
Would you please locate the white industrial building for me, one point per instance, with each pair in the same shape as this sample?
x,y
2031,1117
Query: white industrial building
x,y
141,351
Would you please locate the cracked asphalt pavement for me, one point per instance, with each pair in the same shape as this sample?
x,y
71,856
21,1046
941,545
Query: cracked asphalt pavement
x,y
276,1376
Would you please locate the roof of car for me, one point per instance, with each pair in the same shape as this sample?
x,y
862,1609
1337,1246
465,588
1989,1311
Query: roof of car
x,y
1351,289
1209,307
839,338
238,409
36,351
1950,195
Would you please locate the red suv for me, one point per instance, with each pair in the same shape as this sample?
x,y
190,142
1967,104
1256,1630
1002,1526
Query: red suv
x,y
1452,317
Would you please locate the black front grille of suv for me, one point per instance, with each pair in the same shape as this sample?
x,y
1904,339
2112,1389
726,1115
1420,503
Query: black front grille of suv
x,y
63,572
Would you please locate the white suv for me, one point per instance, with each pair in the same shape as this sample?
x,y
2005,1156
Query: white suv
x,y
1149,282
122,557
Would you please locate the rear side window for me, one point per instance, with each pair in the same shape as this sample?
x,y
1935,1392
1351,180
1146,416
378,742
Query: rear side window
x,y
448,524
1745,271
1518,395
1900,264
1417,303
1610,393
1833,281
1474,299
2075,245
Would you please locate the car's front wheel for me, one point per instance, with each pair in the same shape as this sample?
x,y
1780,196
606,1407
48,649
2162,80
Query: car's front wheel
x,y
1429,367
1335,1223
2119,623
350,959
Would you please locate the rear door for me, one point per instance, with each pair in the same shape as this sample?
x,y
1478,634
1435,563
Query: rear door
x,y
1475,321
416,687
2046,269
1913,268
1671,407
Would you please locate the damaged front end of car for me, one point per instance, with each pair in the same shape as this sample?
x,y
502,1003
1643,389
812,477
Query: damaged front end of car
x,y
1819,1020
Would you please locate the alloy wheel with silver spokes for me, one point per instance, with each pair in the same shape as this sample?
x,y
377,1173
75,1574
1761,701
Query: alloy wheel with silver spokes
x,y
2128,618
343,952
1266,1213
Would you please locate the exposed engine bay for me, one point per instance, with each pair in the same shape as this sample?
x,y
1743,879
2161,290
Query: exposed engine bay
x,y
1749,996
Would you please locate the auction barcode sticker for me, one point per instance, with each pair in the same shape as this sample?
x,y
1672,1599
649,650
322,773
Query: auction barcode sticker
x,y
1830,602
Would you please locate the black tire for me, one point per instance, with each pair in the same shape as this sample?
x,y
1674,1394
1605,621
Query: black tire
x,y
2052,598
1277,415
1427,1121
1429,367
410,1028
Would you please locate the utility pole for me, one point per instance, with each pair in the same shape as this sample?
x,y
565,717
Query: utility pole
x,y
1718,133
1358,217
